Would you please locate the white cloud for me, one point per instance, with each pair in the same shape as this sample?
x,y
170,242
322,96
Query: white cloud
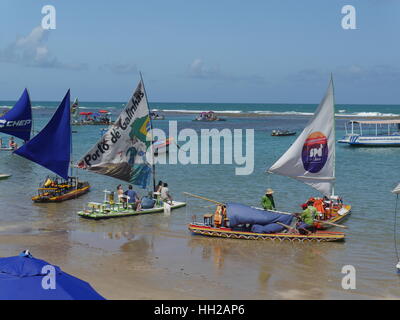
x,y
32,51
197,69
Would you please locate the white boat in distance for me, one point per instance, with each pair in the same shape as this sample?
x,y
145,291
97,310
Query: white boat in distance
x,y
372,133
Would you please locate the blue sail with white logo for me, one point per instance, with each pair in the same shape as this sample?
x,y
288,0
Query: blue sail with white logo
x,y
17,122
51,147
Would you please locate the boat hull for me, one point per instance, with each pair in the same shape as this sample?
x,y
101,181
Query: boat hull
x,y
373,141
97,215
340,217
319,236
4,176
284,134
72,194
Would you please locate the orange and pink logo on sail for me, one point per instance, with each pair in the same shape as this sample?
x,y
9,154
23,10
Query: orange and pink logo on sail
x,y
315,152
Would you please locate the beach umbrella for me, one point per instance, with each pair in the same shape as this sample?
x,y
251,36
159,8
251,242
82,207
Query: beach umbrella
x,y
24,277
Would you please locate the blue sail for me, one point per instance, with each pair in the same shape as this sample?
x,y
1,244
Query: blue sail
x,y
18,121
51,147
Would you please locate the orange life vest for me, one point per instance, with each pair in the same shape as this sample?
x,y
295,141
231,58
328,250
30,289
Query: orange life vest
x,y
218,216
319,205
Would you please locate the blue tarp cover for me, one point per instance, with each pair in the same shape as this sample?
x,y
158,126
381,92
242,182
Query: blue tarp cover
x,y
262,221
21,279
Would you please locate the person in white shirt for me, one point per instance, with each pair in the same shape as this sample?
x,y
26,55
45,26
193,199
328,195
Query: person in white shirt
x,y
165,196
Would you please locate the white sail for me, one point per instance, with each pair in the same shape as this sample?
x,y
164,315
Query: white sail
x,y
75,111
397,189
121,152
311,158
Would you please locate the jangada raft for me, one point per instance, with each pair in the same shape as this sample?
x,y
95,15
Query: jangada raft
x,y
52,148
237,221
311,160
124,152
57,190
110,209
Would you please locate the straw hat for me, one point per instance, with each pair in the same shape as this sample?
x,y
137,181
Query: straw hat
x,y
269,191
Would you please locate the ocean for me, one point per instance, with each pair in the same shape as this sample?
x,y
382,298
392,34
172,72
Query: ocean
x,y
196,267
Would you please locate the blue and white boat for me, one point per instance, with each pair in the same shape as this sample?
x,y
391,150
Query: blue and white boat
x,y
372,133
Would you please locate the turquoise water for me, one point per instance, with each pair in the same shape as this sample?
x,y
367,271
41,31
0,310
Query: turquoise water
x,y
365,177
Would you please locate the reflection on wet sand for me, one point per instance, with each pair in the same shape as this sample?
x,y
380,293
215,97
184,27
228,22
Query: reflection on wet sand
x,y
273,270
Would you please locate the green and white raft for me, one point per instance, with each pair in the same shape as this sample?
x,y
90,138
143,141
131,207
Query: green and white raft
x,y
106,210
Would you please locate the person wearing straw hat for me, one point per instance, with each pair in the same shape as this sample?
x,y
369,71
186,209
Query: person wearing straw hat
x,y
267,201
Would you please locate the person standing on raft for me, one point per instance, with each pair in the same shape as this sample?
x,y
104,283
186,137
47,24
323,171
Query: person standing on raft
x,y
267,201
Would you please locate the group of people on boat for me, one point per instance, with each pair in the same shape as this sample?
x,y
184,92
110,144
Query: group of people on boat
x,y
207,116
313,210
11,144
93,118
132,199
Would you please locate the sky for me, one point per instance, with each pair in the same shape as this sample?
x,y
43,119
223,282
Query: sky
x,y
227,51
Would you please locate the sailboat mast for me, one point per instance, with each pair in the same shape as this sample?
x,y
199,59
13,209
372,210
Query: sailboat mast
x,y
334,137
153,166
32,127
70,133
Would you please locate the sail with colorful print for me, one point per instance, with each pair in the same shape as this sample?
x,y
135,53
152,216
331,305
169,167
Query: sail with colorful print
x,y
75,112
311,158
121,151
126,152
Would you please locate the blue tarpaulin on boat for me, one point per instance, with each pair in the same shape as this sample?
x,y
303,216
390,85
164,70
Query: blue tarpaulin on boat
x,y
262,221
51,147
18,121
27,278
269,228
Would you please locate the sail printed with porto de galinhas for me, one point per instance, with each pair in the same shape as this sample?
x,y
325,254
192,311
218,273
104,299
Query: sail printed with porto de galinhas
x,y
121,152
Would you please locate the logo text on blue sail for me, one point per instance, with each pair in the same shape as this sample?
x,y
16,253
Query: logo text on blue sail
x,y
11,124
